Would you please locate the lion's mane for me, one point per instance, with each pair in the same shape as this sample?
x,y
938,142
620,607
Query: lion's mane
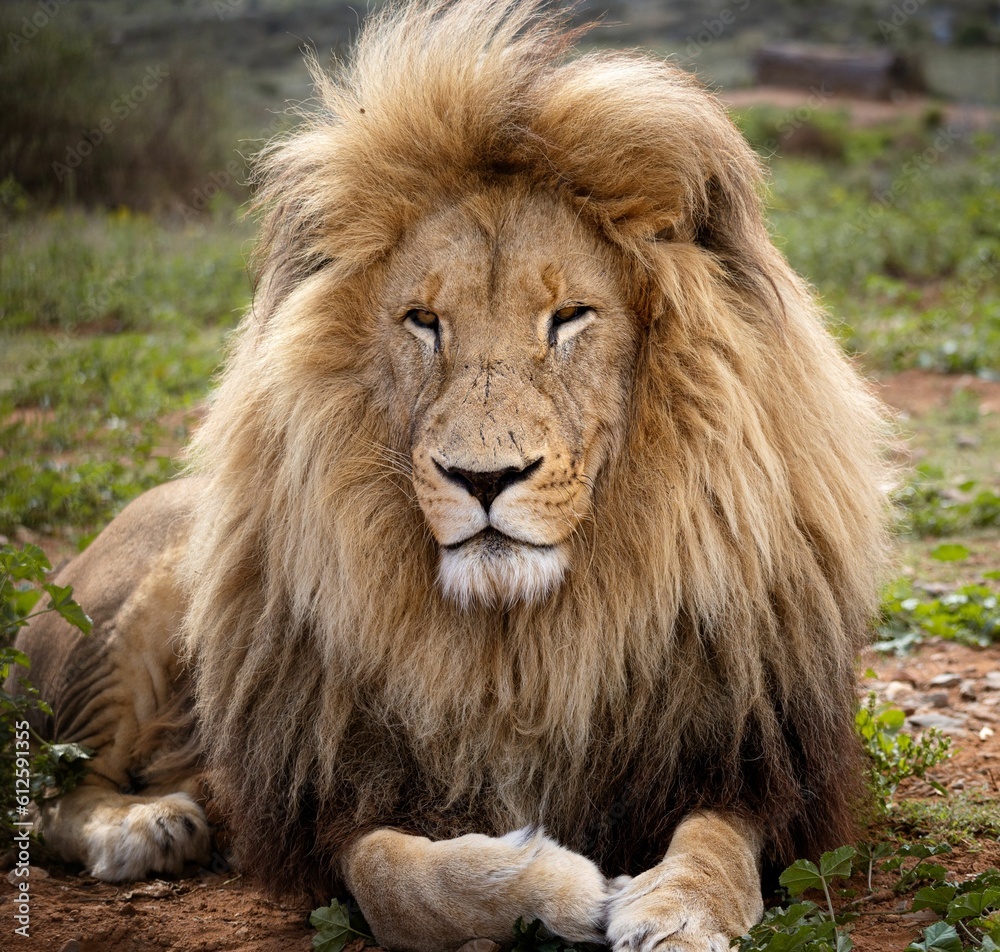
x,y
701,655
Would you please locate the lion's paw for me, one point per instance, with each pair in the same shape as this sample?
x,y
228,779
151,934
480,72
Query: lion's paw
x,y
652,915
572,891
133,840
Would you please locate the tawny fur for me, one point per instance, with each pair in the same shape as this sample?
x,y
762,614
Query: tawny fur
x,y
701,654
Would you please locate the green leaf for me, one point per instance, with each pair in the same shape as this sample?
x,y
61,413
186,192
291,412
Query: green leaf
x,y
891,719
333,925
938,937
337,925
837,862
973,904
62,602
950,552
800,876
935,898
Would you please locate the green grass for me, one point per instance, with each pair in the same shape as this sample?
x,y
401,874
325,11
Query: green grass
x,y
111,271
113,325
905,255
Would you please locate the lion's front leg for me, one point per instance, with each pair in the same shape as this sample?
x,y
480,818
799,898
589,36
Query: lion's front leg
x,y
422,895
705,891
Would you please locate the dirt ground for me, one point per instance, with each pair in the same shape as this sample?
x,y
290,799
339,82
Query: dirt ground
x,y
956,688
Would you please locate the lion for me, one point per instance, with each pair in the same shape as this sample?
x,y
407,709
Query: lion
x,y
530,537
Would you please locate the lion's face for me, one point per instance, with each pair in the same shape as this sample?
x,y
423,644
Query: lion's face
x,y
511,346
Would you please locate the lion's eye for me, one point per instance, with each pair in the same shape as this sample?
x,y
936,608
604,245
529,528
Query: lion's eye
x,y
425,325
567,321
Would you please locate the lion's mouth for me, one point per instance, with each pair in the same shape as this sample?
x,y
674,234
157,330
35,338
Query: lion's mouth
x,y
492,567
493,541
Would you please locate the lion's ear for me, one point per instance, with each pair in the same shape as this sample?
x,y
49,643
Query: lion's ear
x,y
730,225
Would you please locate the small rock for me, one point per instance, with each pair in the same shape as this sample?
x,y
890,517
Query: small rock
x,y
966,441
71,946
942,722
480,945
967,690
946,680
34,873
895,690
992,681
935,699
986,733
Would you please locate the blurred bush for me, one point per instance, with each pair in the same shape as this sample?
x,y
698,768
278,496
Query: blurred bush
x,y
78,126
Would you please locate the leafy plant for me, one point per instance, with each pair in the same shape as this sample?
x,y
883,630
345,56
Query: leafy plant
x,y
970,615
920,871
970,912
803,874
337,925
804,926
55,768
929,507
800,927
893,754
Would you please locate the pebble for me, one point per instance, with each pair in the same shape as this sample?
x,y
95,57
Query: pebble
x,y
895,690
946,680
982,713
71,946
992,681
935,699
34,872
968,690
941,721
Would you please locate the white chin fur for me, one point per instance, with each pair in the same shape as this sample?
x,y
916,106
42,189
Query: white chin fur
x,y
500,574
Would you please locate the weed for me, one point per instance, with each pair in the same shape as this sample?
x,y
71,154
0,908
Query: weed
x,y
970,615
55,768
966,820
970,912
893,754
928,507
804,926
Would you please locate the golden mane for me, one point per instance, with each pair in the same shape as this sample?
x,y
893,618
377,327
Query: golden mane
x,y
704,654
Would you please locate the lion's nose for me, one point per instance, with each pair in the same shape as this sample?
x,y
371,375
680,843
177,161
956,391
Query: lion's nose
x,y
486,485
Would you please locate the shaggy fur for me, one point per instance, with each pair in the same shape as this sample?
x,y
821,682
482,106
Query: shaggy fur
x,y
702,656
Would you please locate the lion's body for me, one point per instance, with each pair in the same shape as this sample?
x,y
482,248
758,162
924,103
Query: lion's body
x,y
535,494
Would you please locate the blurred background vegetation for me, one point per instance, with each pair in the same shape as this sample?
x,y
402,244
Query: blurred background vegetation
x,y
125,131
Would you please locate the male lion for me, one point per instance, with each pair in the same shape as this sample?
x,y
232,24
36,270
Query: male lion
x,y
535,497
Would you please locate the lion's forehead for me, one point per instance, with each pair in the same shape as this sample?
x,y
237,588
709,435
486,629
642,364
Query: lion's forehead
x,y
500,257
